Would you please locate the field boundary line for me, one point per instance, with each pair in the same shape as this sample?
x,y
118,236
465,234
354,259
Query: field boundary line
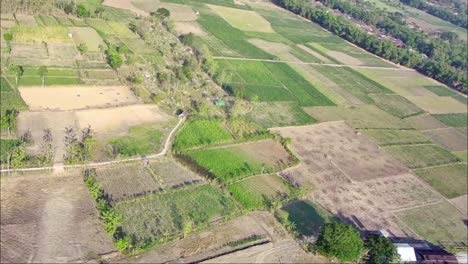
x,y
441,165
97,164
415,206
309,63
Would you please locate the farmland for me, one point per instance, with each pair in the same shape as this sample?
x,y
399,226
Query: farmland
x,y
167,215
396,137
232,163
449,180
200,133
420,156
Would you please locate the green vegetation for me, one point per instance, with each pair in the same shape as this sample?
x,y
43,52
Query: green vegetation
x,y
440,224
463,155
229,164
277,114
141,140
444,91
227,3
396,137
421,156
395,105
449,180
158,218
244,241
10,103
55,34
8,146
341,241
453,120
261,192
380,250
200,133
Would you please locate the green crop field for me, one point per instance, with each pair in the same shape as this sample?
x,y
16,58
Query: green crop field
x,y
453,120
421,156
463,155
48,21
395,105
277,114
444,91
307,217
55,34
439,223
64,21
227,3
270,81
200,133
155,218
141,140
449,180
260,192
396,137
357,84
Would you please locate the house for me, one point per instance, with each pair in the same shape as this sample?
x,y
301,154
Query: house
x,y
406,252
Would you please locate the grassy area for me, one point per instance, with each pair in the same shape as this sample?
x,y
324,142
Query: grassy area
x,y
453,120
54,34
10,97
243,19
445,91
439,223
463,155
141,140
260,192
87,36
270,82
396,137
227,3
200,133
48,21
156,218
277,114
448,180
306,217
421,156
395,105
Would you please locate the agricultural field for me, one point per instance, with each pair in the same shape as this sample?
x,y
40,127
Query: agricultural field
x,y
449,180
201,133
421,156
88,36
168,214
260,192
51,35
232,163
172,175
307,217
454,120
388,137
277,114
243,19
425,122
450,138
10,97
49,218
395,105
427,222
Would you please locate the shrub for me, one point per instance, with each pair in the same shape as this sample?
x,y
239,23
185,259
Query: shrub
x,y
341,241
82,48
7,37
81,11
380,250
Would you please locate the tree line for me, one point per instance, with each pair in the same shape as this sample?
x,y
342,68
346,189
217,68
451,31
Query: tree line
x,y
442,55
446,14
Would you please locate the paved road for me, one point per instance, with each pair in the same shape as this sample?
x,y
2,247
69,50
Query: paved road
x,y
59,167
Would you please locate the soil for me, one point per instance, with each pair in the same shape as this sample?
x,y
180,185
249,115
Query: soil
x,y
267,152
76,97
49,218
125,4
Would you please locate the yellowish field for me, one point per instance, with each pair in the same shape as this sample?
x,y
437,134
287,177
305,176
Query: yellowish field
x,y
345,58
178,12
76,97
49,35
25,20
87,35
438,104
315,54
125,4
189,27
242,19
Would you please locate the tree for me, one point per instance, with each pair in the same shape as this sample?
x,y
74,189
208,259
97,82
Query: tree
x,y
380,250
341,241
7,37
17,71
98,12
187,39
81,11
42,71
82,47
114,59
162,13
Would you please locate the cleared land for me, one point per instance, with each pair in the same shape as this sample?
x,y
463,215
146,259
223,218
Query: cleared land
x,y
77,97
427,222
232,163
49,218
261,191
87,36
421,156
450,180
243,19
166,215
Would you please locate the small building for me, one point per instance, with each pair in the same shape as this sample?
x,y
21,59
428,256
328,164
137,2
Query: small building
x,y
406,252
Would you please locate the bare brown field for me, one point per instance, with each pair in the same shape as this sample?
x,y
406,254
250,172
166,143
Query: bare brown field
x,y
25,20
267,152
213,241
183,28
461,203
172,175
425,122
451,138
76,97
336,144
49,218
368,205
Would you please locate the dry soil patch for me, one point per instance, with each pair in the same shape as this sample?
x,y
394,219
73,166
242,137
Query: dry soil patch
x,y
76,97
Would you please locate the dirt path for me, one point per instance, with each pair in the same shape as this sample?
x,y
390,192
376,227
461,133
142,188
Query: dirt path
x,y
61,167
314,63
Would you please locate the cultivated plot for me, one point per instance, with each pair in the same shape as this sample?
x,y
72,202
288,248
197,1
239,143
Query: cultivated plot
x,y
388,137
77,97
87,36
201,133
421,156
171,175
337,145
395,105
425,122
49,218
439,223
243,19
451,138
277,114
450,180
461,203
